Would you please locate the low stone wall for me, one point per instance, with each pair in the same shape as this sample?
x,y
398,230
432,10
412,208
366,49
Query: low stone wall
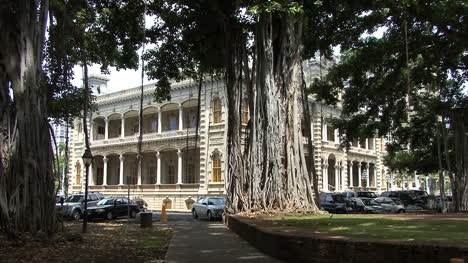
x,y
292,245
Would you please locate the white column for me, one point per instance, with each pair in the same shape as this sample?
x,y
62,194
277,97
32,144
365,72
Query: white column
x,y
91,127
324,132
368,175
181,113
359,174
312,129
121,176
416,181
367,144
179,167
123,127
336,136
325,177
82,174
140,175
91,174
392,185
158,168
375,147
343,173
374,174
337,177
106,136
351,184
159,120
104,176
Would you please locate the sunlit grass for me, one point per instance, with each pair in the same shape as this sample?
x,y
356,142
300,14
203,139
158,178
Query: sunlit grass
x,y
381,227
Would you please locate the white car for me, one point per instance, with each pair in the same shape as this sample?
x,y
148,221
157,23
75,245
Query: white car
x,y
209,207
391,205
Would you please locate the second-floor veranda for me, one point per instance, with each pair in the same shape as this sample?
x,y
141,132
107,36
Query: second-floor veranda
x,y
167,120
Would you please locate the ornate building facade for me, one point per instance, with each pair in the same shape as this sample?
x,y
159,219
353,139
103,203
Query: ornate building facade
x,y
179,166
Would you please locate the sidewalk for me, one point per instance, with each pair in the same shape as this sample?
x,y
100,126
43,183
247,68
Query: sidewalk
x,y
204,241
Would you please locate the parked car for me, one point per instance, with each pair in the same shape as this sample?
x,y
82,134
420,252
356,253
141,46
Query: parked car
x,y
449,205
141,204
113,207
374,207
60,198
393,206
405,197
209,207
367,205
360,194
335,203
73,206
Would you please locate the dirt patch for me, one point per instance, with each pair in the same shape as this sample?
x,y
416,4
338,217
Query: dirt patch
x,y
114,241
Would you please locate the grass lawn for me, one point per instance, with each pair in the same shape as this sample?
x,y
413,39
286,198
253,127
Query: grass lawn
x,y
106,241
454,231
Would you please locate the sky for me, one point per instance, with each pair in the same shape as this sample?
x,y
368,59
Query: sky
x,y
118,80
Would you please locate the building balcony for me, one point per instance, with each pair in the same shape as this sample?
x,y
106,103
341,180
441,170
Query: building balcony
x,y
146,137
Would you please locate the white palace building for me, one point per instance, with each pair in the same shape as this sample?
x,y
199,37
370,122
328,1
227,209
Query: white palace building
x,y
177,170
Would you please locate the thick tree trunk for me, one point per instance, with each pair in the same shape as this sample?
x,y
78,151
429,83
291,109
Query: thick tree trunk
x,y
273,175
459,120
234,172
441,172
29,178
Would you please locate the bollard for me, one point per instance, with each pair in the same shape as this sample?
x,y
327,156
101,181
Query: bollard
x,y
163,214
146,220
457,260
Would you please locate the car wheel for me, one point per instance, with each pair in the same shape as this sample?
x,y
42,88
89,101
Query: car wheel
x,y
109,215
76,215
368,212
401,211
210,216
194,214
133,214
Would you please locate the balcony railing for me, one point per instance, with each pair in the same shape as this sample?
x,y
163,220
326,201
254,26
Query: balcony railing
x,y
146,137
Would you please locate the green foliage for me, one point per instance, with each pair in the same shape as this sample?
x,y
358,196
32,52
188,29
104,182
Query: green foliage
x,y
101,32
189,38
374,77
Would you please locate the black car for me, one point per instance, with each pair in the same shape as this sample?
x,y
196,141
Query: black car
x,y
335,203
113,207
405,197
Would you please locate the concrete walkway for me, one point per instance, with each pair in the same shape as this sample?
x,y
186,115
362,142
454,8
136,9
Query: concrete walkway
x,y
204,241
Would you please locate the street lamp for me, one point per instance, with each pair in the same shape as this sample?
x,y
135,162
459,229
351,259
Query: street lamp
x,y
87,160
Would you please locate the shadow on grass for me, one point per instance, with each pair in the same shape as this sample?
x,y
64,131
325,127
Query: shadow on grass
x,y
379,227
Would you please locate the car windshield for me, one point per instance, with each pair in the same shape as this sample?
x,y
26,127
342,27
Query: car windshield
x,y
338,198
367,194
370,202
217,201
107,201
357,201
74,199
420,193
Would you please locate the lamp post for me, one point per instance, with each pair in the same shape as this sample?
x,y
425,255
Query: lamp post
x,y
87,160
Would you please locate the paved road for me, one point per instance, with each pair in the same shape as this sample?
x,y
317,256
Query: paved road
x,y
205,241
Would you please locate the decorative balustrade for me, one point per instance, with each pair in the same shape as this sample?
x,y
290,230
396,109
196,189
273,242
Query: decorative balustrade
x,y
146,137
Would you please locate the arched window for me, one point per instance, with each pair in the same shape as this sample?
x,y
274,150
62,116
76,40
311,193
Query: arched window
x,y
245,112
216,168
78,173
217,110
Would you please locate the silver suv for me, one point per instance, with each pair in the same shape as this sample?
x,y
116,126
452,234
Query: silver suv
x,y
73,205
